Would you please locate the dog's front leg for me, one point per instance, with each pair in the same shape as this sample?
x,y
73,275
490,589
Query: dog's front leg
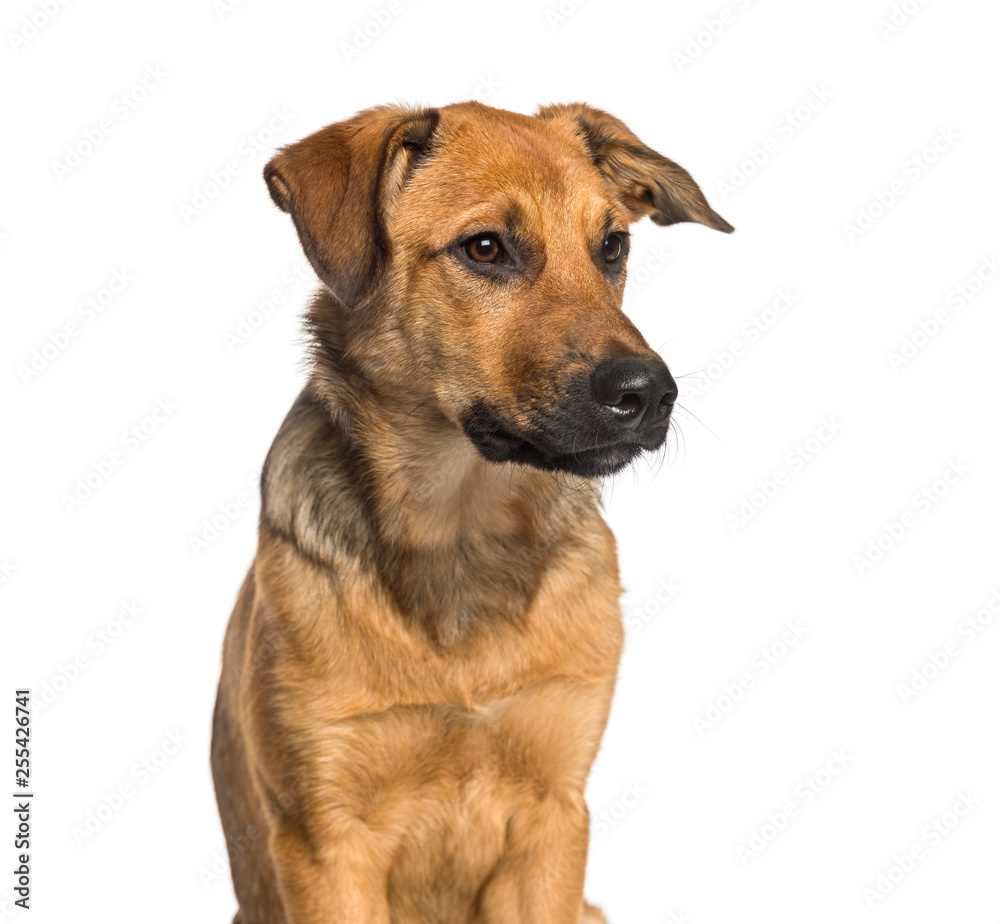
x,y
539,879
327,879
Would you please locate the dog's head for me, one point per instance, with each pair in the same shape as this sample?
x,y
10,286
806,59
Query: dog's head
x,y
481,255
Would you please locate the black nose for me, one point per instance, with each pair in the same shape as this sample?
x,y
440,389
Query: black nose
x,y
638,392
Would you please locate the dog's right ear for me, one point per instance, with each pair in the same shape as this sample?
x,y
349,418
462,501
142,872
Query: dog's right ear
x,y
337,185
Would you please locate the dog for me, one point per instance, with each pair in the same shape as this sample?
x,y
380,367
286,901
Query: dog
x,y
418,670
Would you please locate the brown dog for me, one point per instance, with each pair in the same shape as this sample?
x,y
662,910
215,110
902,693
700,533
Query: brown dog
x,y
419,667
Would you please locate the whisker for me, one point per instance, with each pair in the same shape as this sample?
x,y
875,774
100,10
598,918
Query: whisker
x,y
696,418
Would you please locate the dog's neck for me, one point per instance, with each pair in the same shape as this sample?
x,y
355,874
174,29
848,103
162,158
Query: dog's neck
x,y
386,484
439,508
431,488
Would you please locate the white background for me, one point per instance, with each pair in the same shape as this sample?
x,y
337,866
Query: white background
x,y
715,86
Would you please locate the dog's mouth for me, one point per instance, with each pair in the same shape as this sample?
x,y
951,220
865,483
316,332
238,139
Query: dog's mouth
x,y
499,444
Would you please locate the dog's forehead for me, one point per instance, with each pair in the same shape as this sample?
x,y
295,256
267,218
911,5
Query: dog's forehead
x,y
486,163
480,133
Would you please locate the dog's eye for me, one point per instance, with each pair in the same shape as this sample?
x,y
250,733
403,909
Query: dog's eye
x,y
612,247
484,248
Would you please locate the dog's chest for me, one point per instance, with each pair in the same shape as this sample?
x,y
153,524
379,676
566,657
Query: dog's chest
x,y
467,778
455,836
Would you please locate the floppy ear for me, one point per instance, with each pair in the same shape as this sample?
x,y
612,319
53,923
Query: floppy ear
x,y
337,183
647,183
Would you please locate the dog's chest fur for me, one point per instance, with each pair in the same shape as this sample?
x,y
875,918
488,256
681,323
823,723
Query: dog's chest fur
x,y
434,712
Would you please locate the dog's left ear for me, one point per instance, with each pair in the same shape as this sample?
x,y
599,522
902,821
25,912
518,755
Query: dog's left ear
x,y
647,182
337,185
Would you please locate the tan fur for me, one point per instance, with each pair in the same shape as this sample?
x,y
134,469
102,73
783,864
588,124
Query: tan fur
x,y
418,671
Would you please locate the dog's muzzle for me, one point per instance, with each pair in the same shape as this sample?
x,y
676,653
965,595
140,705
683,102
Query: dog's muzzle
x,y
605,419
